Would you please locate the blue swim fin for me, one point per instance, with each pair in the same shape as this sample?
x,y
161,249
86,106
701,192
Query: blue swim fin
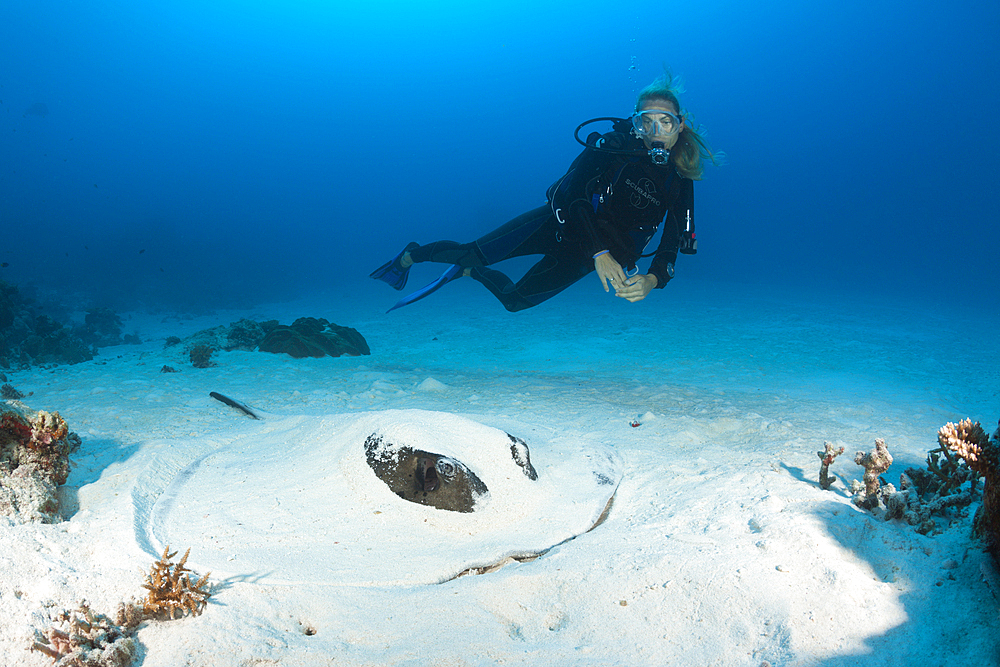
x,y
392,272
451,273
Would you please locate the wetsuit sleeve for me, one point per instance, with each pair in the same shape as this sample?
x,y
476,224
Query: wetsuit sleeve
x,y
678,215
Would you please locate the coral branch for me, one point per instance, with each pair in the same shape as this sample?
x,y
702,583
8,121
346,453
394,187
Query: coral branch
x,y
969,441
47,650
86,638
875,462
826,458
171,590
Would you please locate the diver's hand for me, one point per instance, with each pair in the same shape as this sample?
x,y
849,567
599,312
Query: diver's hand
x,y
609,271
637,287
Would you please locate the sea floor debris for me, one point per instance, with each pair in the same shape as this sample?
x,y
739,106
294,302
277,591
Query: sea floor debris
x,y
85,638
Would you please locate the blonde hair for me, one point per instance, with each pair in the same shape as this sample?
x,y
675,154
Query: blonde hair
x,y
691,147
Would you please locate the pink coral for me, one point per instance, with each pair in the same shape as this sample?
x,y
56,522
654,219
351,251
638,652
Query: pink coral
x,y
34,460
969,441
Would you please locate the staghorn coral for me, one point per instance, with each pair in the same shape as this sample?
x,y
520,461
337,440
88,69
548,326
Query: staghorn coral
x,y
875,462
969,441
826,458
83,638
171,590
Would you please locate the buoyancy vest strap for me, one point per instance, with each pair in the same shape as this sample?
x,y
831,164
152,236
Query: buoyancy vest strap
x,y
598,197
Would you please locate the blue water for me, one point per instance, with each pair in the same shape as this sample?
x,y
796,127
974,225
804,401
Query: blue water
x,y
200,154
194,155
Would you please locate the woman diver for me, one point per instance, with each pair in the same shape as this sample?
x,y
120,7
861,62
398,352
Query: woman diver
x,y
599,217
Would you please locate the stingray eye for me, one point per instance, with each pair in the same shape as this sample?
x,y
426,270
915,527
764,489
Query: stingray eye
x,y
446,468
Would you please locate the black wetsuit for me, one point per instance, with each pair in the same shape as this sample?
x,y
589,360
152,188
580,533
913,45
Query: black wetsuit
x,y
604,202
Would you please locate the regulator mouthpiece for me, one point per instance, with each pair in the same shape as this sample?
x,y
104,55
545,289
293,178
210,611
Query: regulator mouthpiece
x,y
658,154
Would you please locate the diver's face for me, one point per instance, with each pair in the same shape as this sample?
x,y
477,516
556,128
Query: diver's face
x,y
662,128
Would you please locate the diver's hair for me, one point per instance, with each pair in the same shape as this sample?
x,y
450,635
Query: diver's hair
x,y
665,87
691,147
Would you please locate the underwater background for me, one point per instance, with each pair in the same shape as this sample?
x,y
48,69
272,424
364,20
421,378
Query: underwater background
x,y
189,165
219,153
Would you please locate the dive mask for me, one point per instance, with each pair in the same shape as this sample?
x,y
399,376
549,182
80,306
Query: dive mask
x,y
656,123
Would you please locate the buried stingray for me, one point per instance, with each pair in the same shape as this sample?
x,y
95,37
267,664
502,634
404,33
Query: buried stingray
x,y
433,479
420,476
300,491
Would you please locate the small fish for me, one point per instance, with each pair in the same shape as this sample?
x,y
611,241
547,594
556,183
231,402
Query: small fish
x,y
4,265
233,404
142,251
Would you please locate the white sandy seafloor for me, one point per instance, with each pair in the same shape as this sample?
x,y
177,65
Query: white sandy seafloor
x,y
719,548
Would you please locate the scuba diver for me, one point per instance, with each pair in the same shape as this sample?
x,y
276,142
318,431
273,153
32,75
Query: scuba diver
x,y
599,217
